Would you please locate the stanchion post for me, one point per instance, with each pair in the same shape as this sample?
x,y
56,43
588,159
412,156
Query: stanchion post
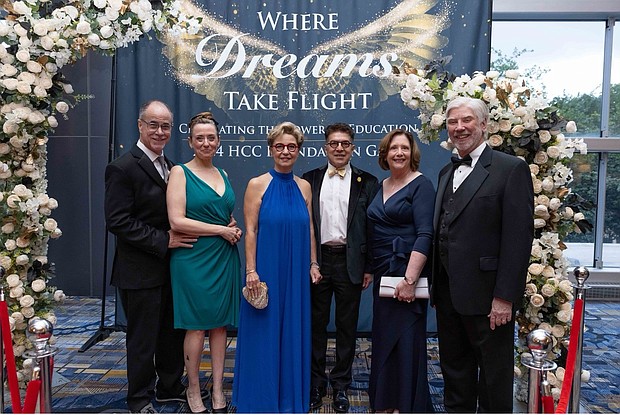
x,y
539,342
581,275
2,273
39,332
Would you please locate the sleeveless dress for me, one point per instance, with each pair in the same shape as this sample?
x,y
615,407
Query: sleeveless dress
x,y
272,366
398,374
206,279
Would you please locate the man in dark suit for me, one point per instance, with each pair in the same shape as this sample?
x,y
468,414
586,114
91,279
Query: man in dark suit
x,y
135,211
340,196
483,238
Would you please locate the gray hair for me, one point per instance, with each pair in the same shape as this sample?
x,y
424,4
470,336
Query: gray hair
x,y
478,106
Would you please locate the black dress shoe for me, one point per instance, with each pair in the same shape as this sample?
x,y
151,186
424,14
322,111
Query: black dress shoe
x,y
316,397
341,401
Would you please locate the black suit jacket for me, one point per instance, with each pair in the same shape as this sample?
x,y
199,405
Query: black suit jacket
x,y
136,213
363,189
490,234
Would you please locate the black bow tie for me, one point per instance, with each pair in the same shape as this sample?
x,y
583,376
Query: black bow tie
x,y
456,161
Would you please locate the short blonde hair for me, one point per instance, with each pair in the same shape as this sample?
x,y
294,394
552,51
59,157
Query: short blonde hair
x,y
285,127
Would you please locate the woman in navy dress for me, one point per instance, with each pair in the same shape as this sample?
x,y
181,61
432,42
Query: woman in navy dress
x,y
401,232
272,367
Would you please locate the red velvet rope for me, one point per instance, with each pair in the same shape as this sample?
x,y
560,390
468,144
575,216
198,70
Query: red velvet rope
x,y
575,330
547,404
32,395
10,359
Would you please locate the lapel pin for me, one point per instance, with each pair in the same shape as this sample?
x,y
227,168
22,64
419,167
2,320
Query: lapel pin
x,y
359,179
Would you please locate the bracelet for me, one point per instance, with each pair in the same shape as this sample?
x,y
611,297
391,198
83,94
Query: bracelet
x,y
315,264
411,283
249,271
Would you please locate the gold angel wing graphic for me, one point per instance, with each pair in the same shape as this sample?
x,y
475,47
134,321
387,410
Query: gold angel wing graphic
x,y
224,64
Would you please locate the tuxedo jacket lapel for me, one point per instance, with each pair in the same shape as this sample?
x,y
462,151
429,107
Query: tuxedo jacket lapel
x,y
468,189
354,194
149,168
316,194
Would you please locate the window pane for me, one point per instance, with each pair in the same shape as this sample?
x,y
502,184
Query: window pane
x,y
580,249
611,238
566,59
614,117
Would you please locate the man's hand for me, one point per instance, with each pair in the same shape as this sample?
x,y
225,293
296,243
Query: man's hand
x,y
180,240
367,280
501,312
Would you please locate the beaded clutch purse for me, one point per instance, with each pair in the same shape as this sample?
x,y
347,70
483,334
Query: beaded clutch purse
x,y
259,302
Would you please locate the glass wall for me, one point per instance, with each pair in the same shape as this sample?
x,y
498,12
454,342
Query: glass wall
x,y
568,60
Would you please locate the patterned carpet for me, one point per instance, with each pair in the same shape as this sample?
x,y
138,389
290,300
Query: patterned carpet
x,y
94,381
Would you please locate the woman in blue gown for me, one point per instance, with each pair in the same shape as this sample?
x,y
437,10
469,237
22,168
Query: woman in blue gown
x,y
205,278
400,234
272,366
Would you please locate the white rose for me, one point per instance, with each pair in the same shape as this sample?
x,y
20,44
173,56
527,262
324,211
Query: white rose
x,y
437,121
492,127
492,74
28,312
555,203
558,331
93,39
537,251
547,290
100,4
495,140
578,217
505,125
83,27
34,67
517,130
512,74
18,350
45,211
568,212
539,223
41,258
50,224
18,317
5,261
530,289
39,91
8,70
26,301
571,127
22,242
22,259
548,272
62,107
10,245
68,88
541,210
5,148
47,43
16,292
21,191
544,136
545,326
59,296
106,31
566,286
38,285
24,88
548,184
13,280
554,152
56,233
542,200
534,169
535,269
51,120
23,55
564,315
52,203
537,300
8,227
11,84
541,157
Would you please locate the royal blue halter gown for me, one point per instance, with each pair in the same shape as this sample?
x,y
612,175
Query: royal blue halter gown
x,y
272,366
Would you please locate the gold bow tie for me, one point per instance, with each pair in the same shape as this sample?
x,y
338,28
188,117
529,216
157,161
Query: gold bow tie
x,y
340,171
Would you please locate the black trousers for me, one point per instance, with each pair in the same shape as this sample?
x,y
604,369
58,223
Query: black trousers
x,y
335,283
477,363
154,347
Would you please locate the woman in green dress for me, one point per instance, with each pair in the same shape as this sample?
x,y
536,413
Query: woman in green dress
x,y
206,278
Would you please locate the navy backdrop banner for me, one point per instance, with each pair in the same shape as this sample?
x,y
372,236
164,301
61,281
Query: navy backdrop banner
x,y
312,62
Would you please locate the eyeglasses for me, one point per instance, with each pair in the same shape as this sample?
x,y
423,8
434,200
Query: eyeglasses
x,y
290,147
344,144
153,126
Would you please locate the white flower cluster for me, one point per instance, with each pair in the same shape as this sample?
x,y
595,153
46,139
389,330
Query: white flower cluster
x,y
521,123
37,38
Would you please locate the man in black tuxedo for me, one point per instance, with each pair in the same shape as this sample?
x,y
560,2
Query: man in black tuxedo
x,y
483,238
135,211
340,196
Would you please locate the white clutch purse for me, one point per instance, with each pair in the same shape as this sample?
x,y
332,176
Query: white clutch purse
x,y
388,286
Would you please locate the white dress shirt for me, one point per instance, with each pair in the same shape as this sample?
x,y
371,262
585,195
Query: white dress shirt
x,y
155,159
462,171
334,206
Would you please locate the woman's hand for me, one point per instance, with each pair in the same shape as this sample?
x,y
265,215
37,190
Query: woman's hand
x,y
231,233
252,281
404,291
315,275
